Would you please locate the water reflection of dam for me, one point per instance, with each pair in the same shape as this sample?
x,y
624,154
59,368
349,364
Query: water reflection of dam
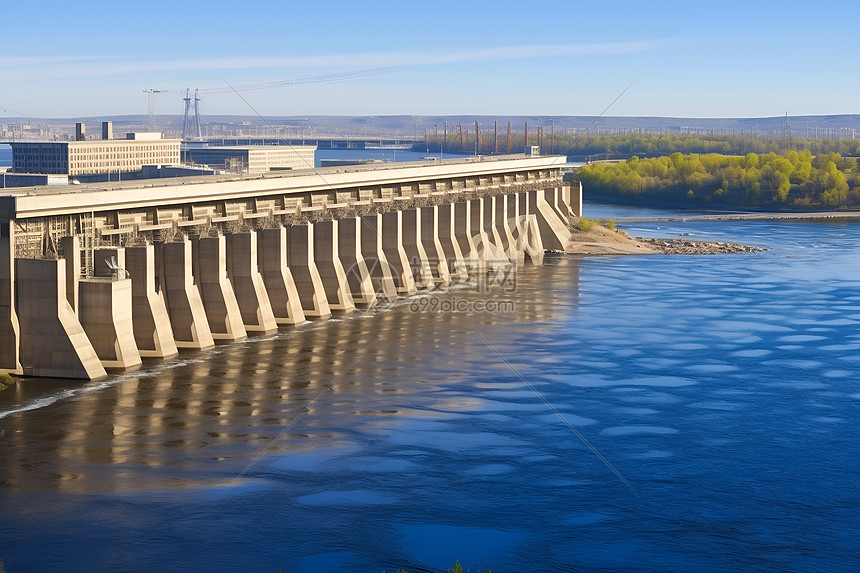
x,y
195,418
95,278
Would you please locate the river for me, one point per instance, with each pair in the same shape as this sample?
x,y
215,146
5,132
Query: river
x,y
644,413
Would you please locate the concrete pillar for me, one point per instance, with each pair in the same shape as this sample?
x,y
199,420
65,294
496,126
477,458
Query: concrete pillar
x,y
370,235
415,253
502,223
72,255
184,304
330,268
219,300
554,198
277,278
446,216
53,342
428,227
301,262
516,221
10,330
152,333
489,222
254,305
393,248
463,216
532,244
573,197
554,232
478,236
105,314
491,245
528,232
349,251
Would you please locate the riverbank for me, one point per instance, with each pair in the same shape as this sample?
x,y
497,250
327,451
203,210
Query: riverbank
x,y
599,240
748,216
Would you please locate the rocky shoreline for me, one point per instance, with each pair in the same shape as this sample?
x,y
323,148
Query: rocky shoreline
x,y
598,240
687,247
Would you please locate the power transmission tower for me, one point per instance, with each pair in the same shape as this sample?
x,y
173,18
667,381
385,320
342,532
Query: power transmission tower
x,y
152,92
786,132
191,125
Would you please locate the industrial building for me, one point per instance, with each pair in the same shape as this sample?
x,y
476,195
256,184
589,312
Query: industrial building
x,y
90,157
254,158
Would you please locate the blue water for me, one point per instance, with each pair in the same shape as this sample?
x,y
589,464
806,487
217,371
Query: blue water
x,y
391,155
639,413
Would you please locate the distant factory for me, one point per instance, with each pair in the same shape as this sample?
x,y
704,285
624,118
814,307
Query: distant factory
x,y
140,156
106,155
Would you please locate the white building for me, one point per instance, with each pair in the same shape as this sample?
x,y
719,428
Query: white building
x,y
254,158
90,157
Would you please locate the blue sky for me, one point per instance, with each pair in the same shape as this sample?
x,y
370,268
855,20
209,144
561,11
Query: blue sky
x,y
685,59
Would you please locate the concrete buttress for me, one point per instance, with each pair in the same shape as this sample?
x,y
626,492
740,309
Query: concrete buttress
x,y
428,226
248,287
370,236
349,250
104,308
462,218
10,330
395,253
277,278
216,291
328,264
184,304
456,263
554,232
152,332
53,342
72,255
300,241
415,253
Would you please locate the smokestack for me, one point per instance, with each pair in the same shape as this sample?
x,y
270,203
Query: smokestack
x,y
107,130
80,132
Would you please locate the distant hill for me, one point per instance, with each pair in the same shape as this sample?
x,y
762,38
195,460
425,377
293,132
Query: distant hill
x,y
415,125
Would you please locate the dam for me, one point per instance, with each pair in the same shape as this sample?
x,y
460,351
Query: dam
x,y
95,278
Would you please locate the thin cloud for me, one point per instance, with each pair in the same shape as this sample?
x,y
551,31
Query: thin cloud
x,y
92,67
28,61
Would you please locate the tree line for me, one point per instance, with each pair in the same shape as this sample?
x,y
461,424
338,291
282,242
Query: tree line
x,y
624,146
793,179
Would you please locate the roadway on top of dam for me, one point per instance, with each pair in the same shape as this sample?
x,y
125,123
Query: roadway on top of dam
x,y
47,201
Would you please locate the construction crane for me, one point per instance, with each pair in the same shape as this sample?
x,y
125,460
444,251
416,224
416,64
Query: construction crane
x,y
191,123
152,92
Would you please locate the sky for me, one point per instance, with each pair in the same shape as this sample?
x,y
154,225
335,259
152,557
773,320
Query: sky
x,y
283,58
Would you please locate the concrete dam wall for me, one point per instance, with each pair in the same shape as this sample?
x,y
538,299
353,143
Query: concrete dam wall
x,y
95,278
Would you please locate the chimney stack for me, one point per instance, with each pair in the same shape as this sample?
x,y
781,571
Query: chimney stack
x,y
80,132
107,130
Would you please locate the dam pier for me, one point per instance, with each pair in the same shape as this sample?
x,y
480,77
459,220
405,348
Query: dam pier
x,y
96,277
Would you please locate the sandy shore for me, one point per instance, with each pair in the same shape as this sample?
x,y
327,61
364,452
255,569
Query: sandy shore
x,y
602,241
